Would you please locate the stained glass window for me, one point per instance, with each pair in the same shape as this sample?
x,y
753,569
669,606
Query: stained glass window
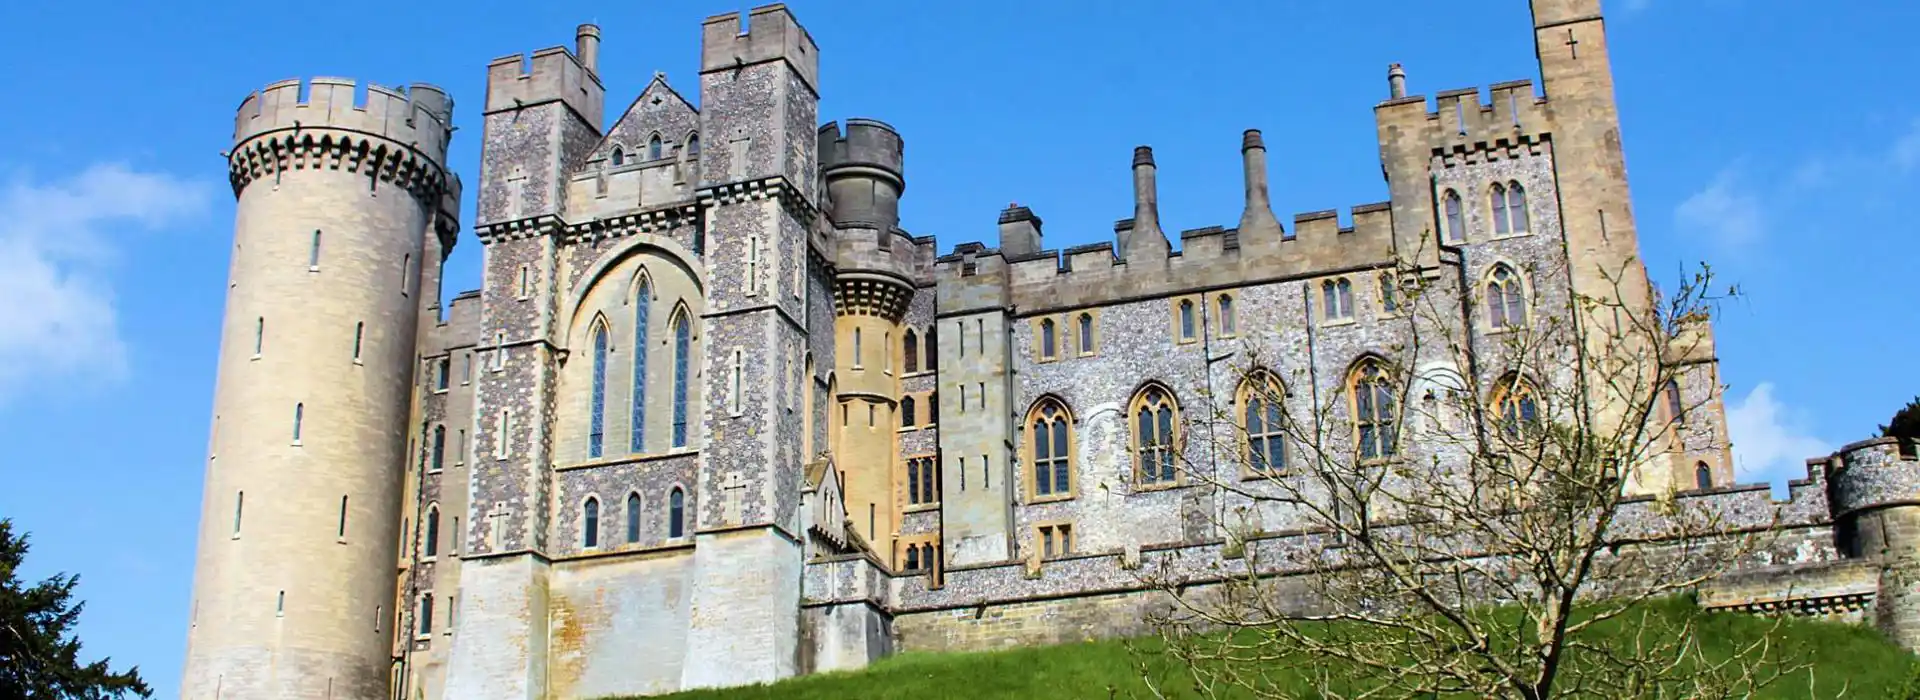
x,y
682,349
642,302
1456,228
1154,435
1049,427
597,408
1373,412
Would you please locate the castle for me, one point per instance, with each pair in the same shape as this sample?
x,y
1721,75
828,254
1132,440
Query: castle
x,y
714,417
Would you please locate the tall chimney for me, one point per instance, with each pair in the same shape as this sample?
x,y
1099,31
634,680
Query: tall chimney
x,y
587,47
1146,198
1396,82
1259,212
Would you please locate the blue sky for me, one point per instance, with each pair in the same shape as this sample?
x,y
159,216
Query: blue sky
x,y
1775,138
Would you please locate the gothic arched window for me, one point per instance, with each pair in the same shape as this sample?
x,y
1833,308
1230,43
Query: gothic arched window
x,y
590,523
1336,299
1261,417
676,513
619,156
431,533
907,419
1456,225
1515,403
596,431
1702,476
1676,412
642,309
1517,208
1047,341
1502,225
1049,430
693,145
633,518
910,352
1374,409
1156,434
1506,298
1227,324
682,351
1187,325
653,148
1086,333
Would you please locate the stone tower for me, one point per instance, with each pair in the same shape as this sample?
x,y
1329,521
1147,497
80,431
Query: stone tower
x,y
344,198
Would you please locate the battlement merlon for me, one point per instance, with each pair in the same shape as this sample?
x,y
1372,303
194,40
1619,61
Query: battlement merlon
x,y
1871,474
417,117
552,74
1459,119
772,35
972,278
1092,275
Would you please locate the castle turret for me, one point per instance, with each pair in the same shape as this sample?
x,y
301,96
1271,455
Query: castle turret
x,y
300,520
1871,491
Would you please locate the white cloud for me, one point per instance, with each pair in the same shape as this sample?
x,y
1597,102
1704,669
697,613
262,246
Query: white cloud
x,y
1726,212
59,242
1769,444
1906,150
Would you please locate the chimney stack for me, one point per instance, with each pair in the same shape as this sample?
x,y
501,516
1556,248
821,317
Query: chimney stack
x,y
1146,197
1259,212
586,47
1019,231
1396,82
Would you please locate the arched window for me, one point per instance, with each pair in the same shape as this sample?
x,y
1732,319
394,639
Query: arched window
x,y
933,348
1050,427
633,518
1517,207
1187,325
431,533
642,308
1676,412
1389,293
682,351
619,156
653,148
1225,304
910,352
1456,226
927,556
1374,408
439,453
1046,339
1702,476
590,523
676,513
1501,224
597,410
693,145
1155,435
907,419
1261,416
1086,333
1516,405
1336,299
913,557
1506,300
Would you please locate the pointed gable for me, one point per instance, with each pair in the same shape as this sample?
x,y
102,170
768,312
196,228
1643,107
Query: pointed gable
x,y
659,111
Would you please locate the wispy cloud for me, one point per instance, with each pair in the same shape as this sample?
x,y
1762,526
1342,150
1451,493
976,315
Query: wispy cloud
x,y
1726,211
1770,443
59,241
1906,149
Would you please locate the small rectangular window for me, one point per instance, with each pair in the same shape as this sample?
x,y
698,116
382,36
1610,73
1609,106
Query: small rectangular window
x,y
406,274
441,371
280,605
466,367
426,614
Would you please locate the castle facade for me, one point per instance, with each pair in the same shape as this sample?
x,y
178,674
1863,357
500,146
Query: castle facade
x,y
714,417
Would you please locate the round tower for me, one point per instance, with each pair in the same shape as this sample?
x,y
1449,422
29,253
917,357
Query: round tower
x,y
300,519
863,171
1872,491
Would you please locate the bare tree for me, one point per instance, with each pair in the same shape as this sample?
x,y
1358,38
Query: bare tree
x,y
1482,507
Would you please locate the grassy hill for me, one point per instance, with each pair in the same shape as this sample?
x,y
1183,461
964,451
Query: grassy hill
x,y
1850,658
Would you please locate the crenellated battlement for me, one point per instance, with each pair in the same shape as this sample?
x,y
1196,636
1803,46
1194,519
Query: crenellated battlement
x,y
418,117
1214,256
550,74
1459,119
772,34
868,144
1873,474
393,135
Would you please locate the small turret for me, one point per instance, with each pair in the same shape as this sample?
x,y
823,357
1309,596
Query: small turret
x,y
865,173
1142,233
586,46
1019,231
1258,216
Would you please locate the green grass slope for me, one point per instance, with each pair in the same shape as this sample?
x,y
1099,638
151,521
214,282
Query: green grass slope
x,y
1847,661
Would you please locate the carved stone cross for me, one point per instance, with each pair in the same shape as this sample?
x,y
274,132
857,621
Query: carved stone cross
x,y
516,191
733,487
496,526
1573,44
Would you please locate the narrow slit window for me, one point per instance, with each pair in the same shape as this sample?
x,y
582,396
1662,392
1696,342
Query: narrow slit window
x,y
431,533
313,252
676,513
259,334
359,338
441,370
1086,334
597,397
426,614
633,518
406,273
1456,227
299,416
280,605
437,458
1046,339
342,533
239,510
734,388
590,523
682,358
856,348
